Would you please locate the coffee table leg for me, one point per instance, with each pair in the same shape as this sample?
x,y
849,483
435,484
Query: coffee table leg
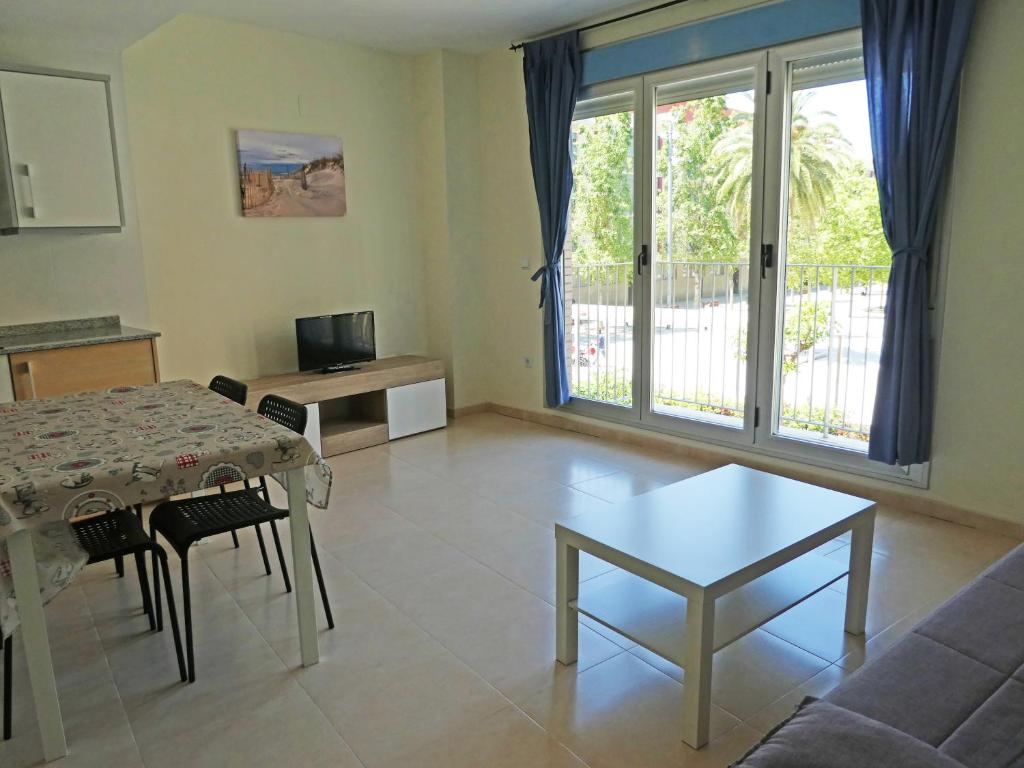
x,y
860,576
567,587
699,651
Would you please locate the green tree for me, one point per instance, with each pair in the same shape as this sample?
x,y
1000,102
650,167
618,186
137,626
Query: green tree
x,y
687,196
818,155
601,213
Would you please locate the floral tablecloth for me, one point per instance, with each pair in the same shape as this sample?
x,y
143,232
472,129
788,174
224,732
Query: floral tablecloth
x,y
111,449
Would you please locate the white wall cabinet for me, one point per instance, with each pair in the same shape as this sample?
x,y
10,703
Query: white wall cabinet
x,y
58,157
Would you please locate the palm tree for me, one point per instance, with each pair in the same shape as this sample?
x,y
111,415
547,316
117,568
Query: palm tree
x,y
818,152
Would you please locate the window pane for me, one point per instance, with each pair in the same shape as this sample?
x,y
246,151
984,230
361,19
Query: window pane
x,y
703,165
836,262
598,264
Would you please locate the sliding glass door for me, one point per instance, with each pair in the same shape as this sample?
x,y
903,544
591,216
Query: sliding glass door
x,y
726,269
704,153
602,289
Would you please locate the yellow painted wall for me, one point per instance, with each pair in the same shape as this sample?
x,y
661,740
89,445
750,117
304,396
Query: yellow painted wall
x,y
448,184
225,289
432,208
980,415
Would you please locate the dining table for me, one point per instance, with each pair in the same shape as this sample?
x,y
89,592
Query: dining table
x,y
112,449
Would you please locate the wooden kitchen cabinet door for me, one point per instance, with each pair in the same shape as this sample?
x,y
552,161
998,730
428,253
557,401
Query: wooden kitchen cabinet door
x,y
56,372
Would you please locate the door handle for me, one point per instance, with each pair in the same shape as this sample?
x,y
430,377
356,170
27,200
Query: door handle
x,y
642,259
31,210
767,260
31,379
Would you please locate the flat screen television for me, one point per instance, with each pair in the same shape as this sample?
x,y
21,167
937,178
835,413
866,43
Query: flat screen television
x,y
335,342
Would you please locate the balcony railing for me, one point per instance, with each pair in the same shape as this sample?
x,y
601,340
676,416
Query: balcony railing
x,y
826,352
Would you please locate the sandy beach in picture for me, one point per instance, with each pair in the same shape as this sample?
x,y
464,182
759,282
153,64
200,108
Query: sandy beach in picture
x,y
290,174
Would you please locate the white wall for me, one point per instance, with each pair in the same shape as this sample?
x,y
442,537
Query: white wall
x,y
979,412
59,277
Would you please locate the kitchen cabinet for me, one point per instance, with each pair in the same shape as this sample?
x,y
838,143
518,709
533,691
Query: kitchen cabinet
x,y
58,156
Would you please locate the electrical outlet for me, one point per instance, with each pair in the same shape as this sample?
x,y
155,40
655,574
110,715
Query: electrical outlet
x,y
527,362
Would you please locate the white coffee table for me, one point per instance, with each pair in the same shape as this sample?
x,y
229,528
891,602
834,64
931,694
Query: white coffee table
x,y
707,561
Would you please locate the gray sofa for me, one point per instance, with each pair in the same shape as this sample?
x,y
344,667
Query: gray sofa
x,y
950,694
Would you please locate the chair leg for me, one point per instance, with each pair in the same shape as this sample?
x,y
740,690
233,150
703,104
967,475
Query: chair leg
x,y
119,565
280,557
156,582
8,647
234,534
173,611
320,580
187,600
263,549
147,601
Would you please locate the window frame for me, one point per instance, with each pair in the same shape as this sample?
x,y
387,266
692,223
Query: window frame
x,y
765,317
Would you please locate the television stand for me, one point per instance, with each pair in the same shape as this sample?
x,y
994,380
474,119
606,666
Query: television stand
x,y
373,403
339,368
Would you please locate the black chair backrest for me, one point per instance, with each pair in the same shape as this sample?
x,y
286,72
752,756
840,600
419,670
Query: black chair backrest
x,y
285,412
229,388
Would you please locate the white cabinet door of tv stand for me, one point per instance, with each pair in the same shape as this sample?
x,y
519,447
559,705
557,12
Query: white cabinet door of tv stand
x,y
383,400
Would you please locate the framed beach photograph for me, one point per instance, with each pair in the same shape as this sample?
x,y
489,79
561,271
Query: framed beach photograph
x,y
290,174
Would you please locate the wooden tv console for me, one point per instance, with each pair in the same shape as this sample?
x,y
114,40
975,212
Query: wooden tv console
x,y
383,400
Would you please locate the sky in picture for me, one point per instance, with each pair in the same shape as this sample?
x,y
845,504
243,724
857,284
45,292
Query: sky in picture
x,y
262,149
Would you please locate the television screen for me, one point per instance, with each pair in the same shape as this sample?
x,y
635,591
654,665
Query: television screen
x,y
332,340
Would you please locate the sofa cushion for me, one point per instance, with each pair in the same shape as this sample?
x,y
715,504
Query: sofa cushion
x,y
992,737
920,687
1009,570
984,622
821,734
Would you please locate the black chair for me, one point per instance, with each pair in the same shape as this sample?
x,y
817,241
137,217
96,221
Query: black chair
x,y
120,534
229,388
8,648
239,392
105,537
185,522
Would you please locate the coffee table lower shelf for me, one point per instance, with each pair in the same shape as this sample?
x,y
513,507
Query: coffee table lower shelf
x,y
655,618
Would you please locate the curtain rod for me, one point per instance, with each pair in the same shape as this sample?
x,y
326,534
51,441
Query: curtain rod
x,y
624,17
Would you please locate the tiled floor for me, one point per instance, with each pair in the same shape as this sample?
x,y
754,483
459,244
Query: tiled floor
x,y
439,554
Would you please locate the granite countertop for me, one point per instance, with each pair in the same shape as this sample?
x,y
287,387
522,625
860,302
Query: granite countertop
x,y
33,337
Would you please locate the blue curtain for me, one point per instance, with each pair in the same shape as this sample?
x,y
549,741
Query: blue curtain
x,y
913,55
551,68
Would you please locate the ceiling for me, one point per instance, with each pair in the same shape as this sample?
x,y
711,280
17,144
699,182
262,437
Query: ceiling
x,y
472,26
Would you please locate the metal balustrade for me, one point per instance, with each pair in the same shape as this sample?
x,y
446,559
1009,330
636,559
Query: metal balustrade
x,y
827,348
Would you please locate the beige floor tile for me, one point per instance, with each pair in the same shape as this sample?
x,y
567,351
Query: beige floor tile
x,y
900,585
242,727
566,467
818,625
438,553
958,551
500,631
504,739
95,722
353,520
751,673
818,686
553,505
398,556
620,486
390,710
525,554
885,639
621,712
